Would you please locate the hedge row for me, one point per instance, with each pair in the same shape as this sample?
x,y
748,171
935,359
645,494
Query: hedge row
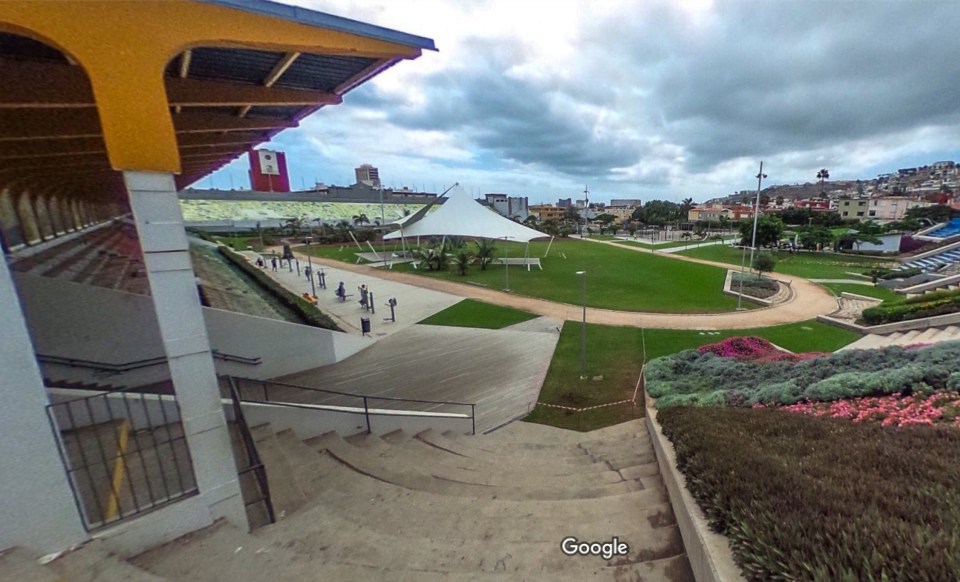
x,y
708,379
888,274
919,307
806,498
306,310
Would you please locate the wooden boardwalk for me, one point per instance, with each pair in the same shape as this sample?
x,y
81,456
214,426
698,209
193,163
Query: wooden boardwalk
x,y
501,371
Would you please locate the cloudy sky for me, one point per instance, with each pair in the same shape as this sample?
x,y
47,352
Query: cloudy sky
x,y
640,99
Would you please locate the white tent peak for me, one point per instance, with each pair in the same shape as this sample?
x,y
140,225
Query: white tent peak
x,y
463,216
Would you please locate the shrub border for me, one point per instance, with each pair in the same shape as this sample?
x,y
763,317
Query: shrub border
x,y
709,553
310,313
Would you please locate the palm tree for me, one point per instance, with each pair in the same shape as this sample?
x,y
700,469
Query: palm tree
x,y
822,175
685,207
486,251
462,261
433,255
361,219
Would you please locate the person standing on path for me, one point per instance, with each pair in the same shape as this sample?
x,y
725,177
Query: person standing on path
x,y
273,263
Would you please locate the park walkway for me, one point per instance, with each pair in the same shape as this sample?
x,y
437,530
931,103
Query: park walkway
x,y
809,299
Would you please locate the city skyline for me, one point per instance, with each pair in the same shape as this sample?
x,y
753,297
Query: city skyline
x,y
662,100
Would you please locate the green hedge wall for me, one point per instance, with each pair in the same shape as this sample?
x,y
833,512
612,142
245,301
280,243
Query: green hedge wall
x,y
919,307
309,312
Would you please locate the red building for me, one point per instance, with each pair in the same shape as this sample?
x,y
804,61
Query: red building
x,y
268,171
813,205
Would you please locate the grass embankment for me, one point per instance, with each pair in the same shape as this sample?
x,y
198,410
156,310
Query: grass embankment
x,y
616,353
881,293
823,499
470,313
616,278
802,264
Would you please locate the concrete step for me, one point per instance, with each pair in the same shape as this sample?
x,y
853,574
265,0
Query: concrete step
x,y
286,496
94,562
528,432
398,466
334,475
22,566
477,448
450,517
223,553
507,467
332,538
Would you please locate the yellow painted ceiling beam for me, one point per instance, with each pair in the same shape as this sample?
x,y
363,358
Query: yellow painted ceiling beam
x,y
124,46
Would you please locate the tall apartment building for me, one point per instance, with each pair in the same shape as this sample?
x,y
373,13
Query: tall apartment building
x,y
368,175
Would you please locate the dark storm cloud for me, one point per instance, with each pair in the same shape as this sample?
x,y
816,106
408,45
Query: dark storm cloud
x,y
517,119
767,78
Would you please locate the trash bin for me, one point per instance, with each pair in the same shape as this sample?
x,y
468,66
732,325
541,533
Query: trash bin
x,y
365,325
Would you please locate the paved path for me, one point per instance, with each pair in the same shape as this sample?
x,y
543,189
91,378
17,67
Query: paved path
x,y
809,299
414,303
850,281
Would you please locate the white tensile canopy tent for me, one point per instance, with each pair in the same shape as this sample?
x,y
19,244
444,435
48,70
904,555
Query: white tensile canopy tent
x,y
462,216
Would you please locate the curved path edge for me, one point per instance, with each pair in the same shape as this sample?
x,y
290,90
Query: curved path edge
x,y
809,300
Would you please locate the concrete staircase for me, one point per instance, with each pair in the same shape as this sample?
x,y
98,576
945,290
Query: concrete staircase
x,y
91,563
446,507
930,335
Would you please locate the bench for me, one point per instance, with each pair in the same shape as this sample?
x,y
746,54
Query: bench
x,y
528,262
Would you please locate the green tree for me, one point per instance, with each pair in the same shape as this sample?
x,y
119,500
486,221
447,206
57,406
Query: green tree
x,y
361,219
658,212
866,232
763,262
486,251
686,205
462,261
816,235
769,231
822,175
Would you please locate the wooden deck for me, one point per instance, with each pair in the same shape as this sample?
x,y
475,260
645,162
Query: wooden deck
x,y
499,370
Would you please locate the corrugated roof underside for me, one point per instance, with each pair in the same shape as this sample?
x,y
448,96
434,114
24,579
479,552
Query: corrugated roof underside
x,y
322,72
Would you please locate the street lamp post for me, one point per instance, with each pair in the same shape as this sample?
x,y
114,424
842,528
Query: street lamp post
x,y
313,286
506,265
583,324
756,214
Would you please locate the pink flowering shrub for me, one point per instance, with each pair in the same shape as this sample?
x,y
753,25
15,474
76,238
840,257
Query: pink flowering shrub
x,y
755,349
941,408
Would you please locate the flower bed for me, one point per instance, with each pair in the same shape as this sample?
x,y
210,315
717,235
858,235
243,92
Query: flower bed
x,y
805,498
899,411
747,371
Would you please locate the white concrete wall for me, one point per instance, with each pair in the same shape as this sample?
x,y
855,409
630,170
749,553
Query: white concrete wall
x,y
37,509
68,320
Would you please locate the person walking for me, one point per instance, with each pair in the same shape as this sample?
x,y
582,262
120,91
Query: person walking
x,y
273,263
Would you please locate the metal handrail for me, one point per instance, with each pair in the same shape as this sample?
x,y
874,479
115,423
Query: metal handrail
x,y
254,463
137,364
327,391
265,390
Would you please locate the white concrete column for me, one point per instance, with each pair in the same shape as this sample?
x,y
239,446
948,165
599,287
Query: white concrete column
x,y
156,211
37,508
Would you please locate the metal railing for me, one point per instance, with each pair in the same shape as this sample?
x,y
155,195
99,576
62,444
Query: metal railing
x,y
254,463
119,368
282,394
125,453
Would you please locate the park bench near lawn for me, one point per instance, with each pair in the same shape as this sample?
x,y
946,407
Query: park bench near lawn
x,y
528,262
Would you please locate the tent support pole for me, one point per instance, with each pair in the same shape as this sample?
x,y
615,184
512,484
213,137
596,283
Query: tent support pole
x,y
548,248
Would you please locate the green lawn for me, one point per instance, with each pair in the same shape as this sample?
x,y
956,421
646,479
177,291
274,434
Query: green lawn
x,y
470,313
693,244
616,353
238,243
616,278
868,290
805,264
